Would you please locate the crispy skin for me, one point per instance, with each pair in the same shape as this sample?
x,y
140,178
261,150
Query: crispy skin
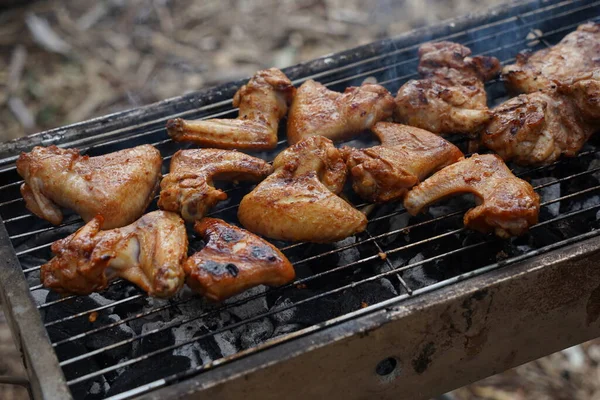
x,y
263,101
576,54
451,96
149,253
537,128
584,91
234,260
406,156
189,190
299,201
317,110
507,205
119,186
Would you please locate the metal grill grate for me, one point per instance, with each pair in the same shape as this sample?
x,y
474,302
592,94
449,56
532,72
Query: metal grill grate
x,y
101,341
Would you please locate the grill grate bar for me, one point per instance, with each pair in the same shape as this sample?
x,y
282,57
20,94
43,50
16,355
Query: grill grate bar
x,y
298,303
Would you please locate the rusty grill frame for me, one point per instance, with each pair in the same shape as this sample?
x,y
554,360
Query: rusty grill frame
x,y
508,303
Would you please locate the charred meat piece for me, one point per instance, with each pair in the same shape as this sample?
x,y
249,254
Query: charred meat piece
x,y
450,97
537,128
506,205
317,110
234,260
148,253
299,201
406,156
576,54
119,186
189,190
263,101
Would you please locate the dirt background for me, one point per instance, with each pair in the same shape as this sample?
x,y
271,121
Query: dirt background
x,y
70,60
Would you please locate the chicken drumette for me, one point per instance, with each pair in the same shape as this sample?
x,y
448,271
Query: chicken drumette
x,y
451,96
149,253
234,260
119,186
405,157
263,101
317,110
576,54
299,201
189,190
507,205
539,127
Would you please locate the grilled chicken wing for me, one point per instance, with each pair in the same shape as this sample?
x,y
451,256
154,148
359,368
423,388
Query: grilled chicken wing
x,y
577,53
451,96
536,128
234,260
119,185
189,190
149,253
299,201
406,156
263,101
507,205
317,110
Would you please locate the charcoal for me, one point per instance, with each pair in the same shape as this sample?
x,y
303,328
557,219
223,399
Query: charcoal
x,y
285,329
74,306
548,193
147,371
366,294
255,333
249,308
311,312
105,338
158,340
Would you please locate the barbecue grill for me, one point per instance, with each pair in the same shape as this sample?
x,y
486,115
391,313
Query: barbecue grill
x,y
412,307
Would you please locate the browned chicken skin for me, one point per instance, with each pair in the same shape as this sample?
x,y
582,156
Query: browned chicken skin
x,y
576,54
234,260
189,190
406,156
119,185
507,205
149,253
299,201
450,97
537,128
263,101
317,110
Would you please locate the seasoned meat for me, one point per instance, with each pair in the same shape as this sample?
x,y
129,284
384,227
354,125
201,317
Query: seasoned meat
x,y
450,97
576,54
537,128
506,205
119,186
234,260
299,201
405,157
584,91
149,253
317,110
189,190
263,101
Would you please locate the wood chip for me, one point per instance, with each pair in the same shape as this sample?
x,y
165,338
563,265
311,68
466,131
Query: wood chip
x,y
45,36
